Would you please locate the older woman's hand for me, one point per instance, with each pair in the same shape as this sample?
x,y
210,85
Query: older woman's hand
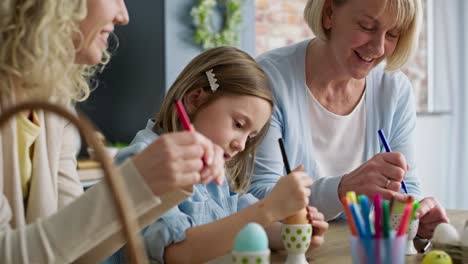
x,y
380,175
174,161
430,214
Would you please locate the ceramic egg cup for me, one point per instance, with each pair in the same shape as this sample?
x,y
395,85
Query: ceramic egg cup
x,y
251,257
412,231
296,241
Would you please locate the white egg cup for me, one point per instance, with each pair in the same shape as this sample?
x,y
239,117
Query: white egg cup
x,y
412,231
251,257
296,241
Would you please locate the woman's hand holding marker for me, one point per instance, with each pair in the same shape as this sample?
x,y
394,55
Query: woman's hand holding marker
x,y
213,154
382,174
175,160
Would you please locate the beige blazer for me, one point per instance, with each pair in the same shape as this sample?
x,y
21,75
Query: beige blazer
x,y
53,229
54,181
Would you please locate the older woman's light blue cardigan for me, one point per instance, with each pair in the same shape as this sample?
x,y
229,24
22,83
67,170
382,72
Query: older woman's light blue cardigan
x,y
389,106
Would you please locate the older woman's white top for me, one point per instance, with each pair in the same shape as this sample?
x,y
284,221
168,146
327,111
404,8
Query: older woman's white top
x,y
389,105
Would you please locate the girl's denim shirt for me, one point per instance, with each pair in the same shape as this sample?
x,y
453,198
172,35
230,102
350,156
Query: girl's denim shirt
x,y
207,204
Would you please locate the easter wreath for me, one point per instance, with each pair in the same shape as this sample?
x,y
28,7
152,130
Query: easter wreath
x,y
202,15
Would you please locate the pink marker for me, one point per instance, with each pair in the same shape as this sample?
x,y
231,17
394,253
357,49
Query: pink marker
x,y
377,225
184,119
377,216
405,219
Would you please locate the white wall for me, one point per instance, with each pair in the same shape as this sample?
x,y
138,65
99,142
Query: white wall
x,y
432,146
442,147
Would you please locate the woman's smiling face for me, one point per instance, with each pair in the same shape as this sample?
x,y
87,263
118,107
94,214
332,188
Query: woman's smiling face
x,y
95,29
362,34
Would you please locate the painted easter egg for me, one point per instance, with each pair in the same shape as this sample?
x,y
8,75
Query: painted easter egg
x,y
446,234
297,219
437,257
251,238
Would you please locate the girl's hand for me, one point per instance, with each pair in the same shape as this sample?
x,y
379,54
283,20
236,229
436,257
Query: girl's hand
x,y
320,226
290,194
380,175
174,161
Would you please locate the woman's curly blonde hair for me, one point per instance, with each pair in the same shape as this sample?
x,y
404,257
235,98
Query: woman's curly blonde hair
x,y
38,48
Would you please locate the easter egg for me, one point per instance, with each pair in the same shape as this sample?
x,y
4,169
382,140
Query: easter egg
x,y
446,234
251,238
437,257
297,219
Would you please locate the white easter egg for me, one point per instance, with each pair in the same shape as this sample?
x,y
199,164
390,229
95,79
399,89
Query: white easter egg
x,y
446,234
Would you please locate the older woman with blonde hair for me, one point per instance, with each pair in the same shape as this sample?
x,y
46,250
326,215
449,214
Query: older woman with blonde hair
x,y
48,50
334,93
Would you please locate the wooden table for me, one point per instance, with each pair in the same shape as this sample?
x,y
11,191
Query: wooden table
x,y
336,248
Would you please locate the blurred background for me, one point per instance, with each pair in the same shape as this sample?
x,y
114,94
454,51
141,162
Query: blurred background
x,y
159,42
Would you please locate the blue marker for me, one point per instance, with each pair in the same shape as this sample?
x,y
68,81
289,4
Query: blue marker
x,y
365,209
364,237
358,221
388,149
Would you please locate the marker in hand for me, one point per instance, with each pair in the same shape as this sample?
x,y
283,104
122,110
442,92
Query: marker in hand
x,y
285,157
388,149
301,216
183,117
185,120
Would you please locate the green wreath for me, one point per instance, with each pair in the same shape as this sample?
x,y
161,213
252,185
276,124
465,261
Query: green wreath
x,y
202,15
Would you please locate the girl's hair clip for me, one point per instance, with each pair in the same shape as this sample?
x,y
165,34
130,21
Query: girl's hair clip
x,y
212,80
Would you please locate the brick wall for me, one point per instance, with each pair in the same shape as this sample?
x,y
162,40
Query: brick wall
x,y
279,23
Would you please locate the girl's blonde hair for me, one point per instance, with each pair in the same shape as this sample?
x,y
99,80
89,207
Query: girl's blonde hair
x,y
408,15
37,49
237,73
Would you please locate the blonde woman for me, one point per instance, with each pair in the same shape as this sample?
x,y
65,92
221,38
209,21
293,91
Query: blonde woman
x,y
48,48
334,93
229,100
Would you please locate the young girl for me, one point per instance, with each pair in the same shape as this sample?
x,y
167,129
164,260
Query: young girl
x,y
228,99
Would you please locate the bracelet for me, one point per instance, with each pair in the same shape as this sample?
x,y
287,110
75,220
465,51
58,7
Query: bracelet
x,y
425,244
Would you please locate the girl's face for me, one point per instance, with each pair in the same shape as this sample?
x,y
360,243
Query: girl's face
x,y
362,34
230,121
99,23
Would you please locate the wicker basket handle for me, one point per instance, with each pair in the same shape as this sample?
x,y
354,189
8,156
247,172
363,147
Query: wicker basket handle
x,y
115,182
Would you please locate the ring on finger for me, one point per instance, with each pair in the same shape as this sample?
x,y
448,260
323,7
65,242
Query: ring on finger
x,y
388,183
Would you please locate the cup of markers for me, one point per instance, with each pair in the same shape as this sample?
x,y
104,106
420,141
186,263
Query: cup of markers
x,y
373,240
